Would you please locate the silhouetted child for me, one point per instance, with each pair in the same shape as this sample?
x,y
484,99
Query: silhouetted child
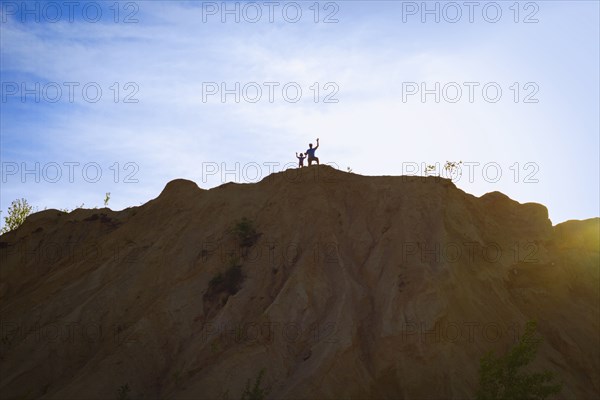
x,y
300,159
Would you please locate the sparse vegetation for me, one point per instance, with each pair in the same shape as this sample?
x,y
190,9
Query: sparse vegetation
x,y
17,212
451,167
502,377
106,199
215,346
6,341
256,392
230,281
177,379
124,392
216,280
245,232
66,210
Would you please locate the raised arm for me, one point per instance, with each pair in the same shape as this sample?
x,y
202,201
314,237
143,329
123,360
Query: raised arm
x,y
317,144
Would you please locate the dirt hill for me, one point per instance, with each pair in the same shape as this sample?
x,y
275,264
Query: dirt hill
x,y
342,286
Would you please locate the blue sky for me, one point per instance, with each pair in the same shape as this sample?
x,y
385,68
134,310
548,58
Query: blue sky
x,y
163,57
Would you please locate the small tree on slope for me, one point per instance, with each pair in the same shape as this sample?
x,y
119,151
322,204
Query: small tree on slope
x,y
17,212
502,378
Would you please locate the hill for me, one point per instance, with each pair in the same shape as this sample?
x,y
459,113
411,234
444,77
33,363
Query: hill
x,y
341,286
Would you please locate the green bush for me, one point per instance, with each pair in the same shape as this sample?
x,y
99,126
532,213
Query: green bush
x,y
229,282
17,212
256,392
245,232
502,378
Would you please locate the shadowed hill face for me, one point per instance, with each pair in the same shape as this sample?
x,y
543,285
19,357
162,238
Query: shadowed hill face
x,y
342,286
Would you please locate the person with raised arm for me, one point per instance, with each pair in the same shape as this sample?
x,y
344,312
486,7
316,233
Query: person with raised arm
x,y
311,153
300,158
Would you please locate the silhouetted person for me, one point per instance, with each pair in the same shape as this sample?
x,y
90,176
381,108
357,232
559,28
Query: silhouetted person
x,y
311,153
300,159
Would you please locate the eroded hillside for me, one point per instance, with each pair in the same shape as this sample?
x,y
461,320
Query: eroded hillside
x,y
350,287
